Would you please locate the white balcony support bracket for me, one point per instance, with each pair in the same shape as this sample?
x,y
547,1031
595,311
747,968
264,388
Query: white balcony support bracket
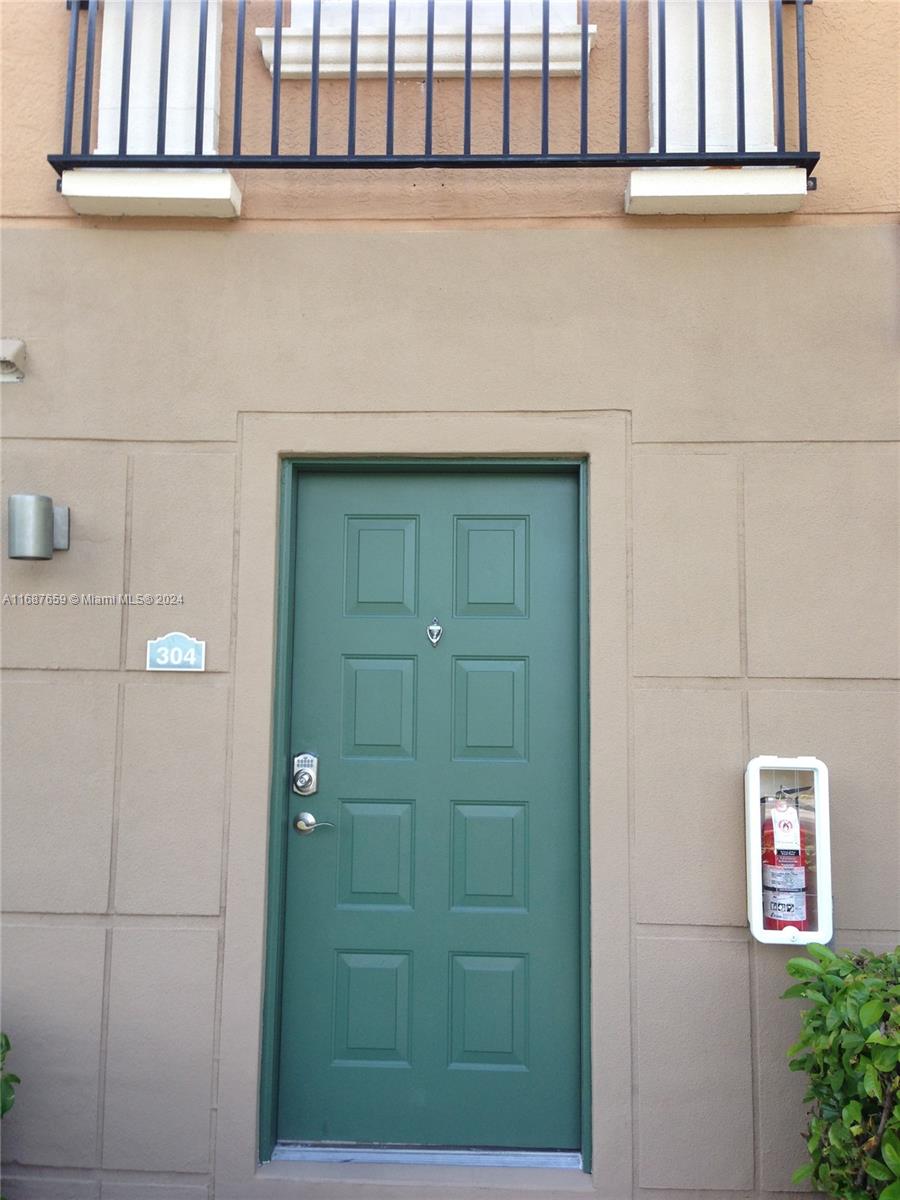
x,y
163,193
653,191
526,40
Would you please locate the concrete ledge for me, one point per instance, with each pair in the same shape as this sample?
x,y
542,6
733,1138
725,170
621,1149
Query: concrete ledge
x,y
154,193
653,190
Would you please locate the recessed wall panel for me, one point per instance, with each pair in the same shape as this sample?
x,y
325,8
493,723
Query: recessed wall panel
x,y
488,1012
378,707
371,1009
491,566
375,855
490,708
380,566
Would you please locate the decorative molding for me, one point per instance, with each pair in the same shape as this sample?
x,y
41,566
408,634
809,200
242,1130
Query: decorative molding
x,y
165,193
655,190
526,53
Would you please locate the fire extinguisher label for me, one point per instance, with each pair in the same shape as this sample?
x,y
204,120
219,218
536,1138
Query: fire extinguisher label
x,y
784,878
784,906
786,826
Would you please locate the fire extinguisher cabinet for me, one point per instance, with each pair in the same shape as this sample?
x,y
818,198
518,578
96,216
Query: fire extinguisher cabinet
x,y
788,850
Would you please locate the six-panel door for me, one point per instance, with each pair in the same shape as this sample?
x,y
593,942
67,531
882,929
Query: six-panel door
x,y
431,957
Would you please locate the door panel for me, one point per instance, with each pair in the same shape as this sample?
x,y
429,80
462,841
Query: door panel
x,y
430,991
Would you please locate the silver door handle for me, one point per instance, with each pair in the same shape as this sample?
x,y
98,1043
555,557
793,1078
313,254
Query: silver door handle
x,y
305,822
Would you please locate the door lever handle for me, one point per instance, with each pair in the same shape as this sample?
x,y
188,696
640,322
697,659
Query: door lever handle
x,y
305,822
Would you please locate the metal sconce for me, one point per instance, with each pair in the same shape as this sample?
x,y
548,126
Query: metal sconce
x,y
37,527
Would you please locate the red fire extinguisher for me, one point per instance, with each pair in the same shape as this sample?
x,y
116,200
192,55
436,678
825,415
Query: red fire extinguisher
x,y
784,863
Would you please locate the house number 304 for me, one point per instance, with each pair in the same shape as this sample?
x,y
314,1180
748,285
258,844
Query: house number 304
x,y
176,652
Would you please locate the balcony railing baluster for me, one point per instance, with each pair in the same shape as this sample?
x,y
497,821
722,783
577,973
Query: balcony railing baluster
x,y
125,95
701,76
314,79
739,76
200,107
239,77
778,25
354,70
162,94
507,59
89,54
70,80
598,140
585,51
467,84
545,77
429,79
391,71
276,78
801,73
623,76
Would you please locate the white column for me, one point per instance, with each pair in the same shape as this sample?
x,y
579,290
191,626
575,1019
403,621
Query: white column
x,y
144,90
721,76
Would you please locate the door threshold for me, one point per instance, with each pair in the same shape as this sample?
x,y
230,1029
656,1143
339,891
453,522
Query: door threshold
x,y
425,1156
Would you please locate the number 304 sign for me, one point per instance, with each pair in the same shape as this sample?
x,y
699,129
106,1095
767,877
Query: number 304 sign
x,y
176,652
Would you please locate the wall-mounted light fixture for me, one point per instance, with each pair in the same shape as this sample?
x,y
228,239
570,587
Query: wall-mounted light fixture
x,y
37,526
12,360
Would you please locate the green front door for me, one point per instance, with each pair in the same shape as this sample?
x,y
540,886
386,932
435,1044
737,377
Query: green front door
x,y
430,989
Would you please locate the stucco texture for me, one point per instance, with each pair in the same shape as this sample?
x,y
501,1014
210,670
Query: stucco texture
x,y
732,386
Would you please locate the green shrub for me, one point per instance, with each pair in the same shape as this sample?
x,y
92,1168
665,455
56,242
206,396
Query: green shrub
x,y
849,1048
8,1081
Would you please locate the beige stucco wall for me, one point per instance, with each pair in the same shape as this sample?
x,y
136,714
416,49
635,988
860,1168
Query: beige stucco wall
x,y
733,390
733,385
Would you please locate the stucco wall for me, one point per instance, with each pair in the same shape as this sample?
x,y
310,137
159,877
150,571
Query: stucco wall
x,y
733,388
733,384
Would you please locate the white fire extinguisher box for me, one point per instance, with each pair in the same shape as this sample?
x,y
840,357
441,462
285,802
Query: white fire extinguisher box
x,y
788,850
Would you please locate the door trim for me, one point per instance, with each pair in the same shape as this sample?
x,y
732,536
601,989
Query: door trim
x,y
291,471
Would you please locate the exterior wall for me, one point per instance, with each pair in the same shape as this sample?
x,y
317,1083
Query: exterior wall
x,y
731,382
852,82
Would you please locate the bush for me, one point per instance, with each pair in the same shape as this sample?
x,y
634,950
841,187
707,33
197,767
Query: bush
x,y
8,1081
850,1047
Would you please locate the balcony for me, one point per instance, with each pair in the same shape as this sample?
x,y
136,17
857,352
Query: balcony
x,y
165,98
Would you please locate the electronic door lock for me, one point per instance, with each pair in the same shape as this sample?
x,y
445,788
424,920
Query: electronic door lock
x,y
305,774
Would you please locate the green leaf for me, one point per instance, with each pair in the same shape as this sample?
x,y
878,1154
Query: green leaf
x,y
802,1173
891,1192
890,1151
796,989
822,953
885,1058
852,1113
839,1135
802,968
871,1082
877,1169
870,1013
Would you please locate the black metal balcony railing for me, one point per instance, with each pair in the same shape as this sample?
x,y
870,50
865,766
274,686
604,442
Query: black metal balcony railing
x,y
596,142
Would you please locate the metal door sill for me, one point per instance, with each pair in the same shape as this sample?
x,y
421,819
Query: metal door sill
x,y
425,1156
